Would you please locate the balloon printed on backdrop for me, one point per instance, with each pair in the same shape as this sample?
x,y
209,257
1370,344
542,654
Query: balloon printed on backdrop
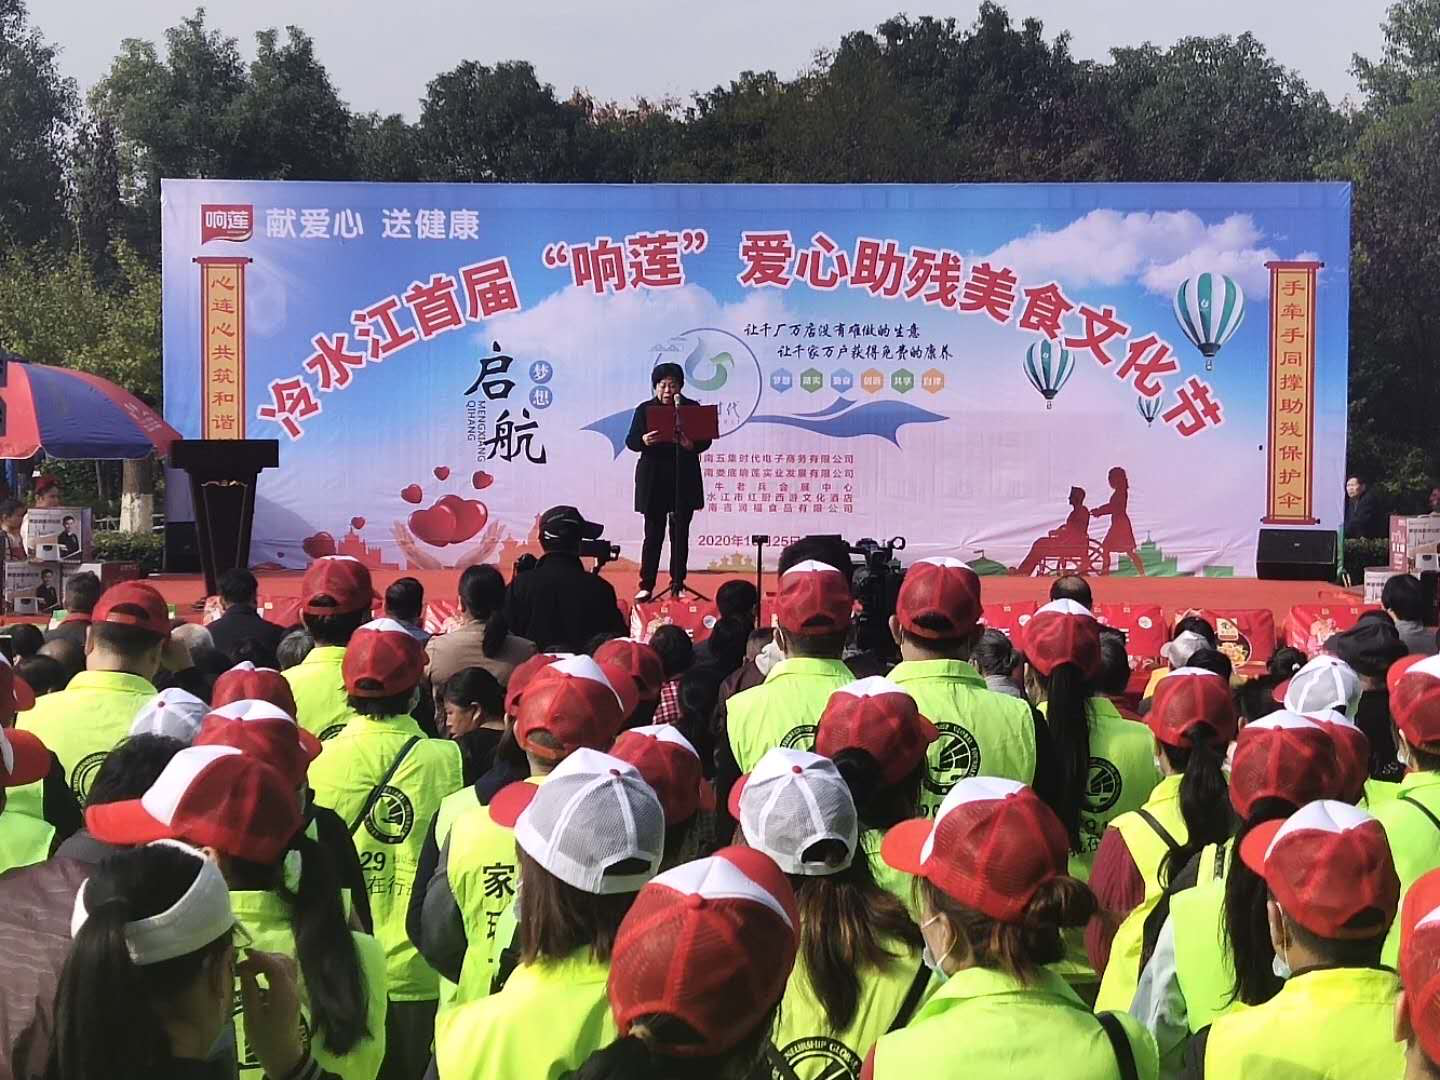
x,y
1209,308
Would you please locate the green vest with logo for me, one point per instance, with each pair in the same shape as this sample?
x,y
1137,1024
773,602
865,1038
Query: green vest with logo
x,y
451,807
986,1023
784,710
1204,964
1325,1024
321,704
391,835
1412,825
897,882
266,918
815,1051
1148,850
982,733
551,1016
24,838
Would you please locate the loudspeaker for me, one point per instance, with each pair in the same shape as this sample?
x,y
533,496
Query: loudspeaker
x,y
182,548
1430,595
1296,554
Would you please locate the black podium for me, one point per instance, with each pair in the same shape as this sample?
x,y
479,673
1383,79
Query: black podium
x,y
223,475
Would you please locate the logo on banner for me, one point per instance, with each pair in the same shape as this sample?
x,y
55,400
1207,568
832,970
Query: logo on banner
x,y
232,221
720,368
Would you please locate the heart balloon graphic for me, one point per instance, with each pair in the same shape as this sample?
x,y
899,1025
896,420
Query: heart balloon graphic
x,y
319,545
412,494
442,472
357,523
434,526
470,516
482,480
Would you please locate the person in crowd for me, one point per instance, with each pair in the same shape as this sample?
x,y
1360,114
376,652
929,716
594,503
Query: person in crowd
x,y
1072,587
697,971
996,898
997,659
813,614
1370,647
26,639
474,717
1404,600
386,780
36,904
1193,721
761,654
12,525
255,653
1332,894
668,484
1364,518
26,836
722,653
335,600
588,840
241,620
46,594
405,603
1191,633
1114,678
43,674
129,643
1417,1012
639,664
858,973
559,605
193,636
148,986
48,494
1211,660
1256,697
294,647
698,700
248,682
82,593
174,712
483,638
738,601
677,655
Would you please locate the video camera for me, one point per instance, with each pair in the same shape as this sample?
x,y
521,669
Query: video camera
x,y
876,584
602,551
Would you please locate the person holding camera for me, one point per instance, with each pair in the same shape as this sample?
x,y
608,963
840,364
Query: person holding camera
x,y
558,604
667,481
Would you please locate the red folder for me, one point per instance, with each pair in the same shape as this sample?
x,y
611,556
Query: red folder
x,y
696,421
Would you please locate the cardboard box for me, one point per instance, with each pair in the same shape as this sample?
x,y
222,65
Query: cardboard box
x,y
1412,536
1375,579
109,573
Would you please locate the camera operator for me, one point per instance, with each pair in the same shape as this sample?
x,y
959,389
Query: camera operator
x,y
559,605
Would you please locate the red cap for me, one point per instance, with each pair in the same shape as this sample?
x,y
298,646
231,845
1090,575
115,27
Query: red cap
x,y
1352,754
1399,668
209,796
23,758
264,730
16,696
814,599
1415,699
711,943
1420,960
1062,632
992,844
133,603
523,673
1186,698
881,718
670,766
246,682
1285,756
1329,868
343,579
624,687
45,483
639,661
385,654
572,701
939,599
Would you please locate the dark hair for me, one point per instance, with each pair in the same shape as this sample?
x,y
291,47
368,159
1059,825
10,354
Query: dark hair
x,y
829,646
1114,675
1212,660
1247,927
600,639
9,507
1286,662
293,648
109,1010
1067,693
44,674
556,918
994,653
761,635
831,550
474,686
698,697
1196,625
336,629
67,517
405,599
726,642
394,705
1404,596
82,593
1204,797
335,983
130,643
677,651
132,768
1360,952
1019,949
482,595
238,586
1072,587
70,655
959,648
737,597
26,638
256,652
633,1057
46,573
880,805
666,371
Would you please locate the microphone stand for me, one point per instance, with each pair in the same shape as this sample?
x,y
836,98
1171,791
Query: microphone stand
x,y
678,589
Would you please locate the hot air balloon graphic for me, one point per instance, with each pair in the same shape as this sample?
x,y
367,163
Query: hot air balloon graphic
x,y
1149,408
1209,307
1048,367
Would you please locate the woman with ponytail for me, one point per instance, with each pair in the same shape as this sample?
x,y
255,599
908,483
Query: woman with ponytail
x,y
996,898
482,639
1192,717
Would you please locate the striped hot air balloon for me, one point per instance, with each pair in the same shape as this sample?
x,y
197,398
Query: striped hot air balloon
x,y
1048,367
1209,307
1149,408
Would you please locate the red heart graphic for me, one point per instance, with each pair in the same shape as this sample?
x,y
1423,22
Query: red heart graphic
x,y
434,526
357,523
470,516
482,480
412,494
442,472
319,545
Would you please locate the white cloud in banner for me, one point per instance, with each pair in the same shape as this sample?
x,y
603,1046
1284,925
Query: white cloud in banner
x,y
1159,250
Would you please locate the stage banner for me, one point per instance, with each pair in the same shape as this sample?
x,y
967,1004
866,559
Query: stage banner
x,y
1032,378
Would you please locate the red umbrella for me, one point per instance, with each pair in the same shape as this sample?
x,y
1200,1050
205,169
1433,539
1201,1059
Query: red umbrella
x,y
72,414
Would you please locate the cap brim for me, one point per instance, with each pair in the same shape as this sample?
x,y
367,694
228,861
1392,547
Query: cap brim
x,y
1421,898
589,530
309,743
510,802
928,731
1278,694
32,759
24,695
735,792
902,845
1257,842
125,823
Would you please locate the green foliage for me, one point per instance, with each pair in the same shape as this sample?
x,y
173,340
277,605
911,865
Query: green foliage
x,y
1361,554
148,549
36,105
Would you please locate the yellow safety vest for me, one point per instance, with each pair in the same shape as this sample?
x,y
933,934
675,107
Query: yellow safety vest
x,y
451,807
813,1049
24,838
784,710
1325,1024
551,1016
319,687
1148,850
1412,824
390,838
886,876
982,733
266,917
1204,963
1155,677
986,1023
81,725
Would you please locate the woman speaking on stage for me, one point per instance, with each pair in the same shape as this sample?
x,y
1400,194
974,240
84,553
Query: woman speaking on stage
x,y
667,478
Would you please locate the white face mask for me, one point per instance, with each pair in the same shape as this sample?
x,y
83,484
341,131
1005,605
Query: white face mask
x,y
1280,966
927,955
1159,766
1402,753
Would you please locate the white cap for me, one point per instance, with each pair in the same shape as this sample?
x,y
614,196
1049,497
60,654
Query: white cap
x,y
172,712
720,879
666,733
1186,644
792,800
1065,607
1326,682
592,812
813,566
1322,815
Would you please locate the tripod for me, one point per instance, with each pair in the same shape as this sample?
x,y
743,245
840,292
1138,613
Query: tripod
x,y
677,589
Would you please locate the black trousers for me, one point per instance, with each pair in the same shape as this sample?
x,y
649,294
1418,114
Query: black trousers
x,y
655,537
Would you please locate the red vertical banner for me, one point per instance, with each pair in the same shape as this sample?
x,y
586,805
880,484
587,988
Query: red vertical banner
x,y
222,346
1289,489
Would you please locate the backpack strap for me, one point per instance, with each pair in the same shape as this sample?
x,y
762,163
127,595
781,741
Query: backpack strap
x,y
782,1068
1120,1044
1170,842
912,999
375,791
1422,808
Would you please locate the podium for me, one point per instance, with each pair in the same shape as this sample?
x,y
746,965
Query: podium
x,y
223,476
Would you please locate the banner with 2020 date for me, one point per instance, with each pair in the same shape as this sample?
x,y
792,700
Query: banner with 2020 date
x,y
1032,378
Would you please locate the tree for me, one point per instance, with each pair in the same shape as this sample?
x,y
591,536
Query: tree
x,y
292,124
97,212
36,105
1411,54
385,148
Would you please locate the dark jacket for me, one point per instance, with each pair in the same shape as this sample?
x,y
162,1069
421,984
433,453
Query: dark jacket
x,y
655,471
1364,518
75,628
560,606
241,623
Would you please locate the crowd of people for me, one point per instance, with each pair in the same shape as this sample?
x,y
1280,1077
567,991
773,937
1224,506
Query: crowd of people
x,y
351,849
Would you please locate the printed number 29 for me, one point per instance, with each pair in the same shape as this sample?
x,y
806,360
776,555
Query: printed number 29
x,y
372,861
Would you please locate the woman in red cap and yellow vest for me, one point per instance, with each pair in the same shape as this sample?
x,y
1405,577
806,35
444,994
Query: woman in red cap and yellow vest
x,y
1417,1013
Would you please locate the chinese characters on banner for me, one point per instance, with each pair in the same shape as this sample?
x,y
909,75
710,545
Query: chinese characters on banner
x,y
222,346
1290,483
775,483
